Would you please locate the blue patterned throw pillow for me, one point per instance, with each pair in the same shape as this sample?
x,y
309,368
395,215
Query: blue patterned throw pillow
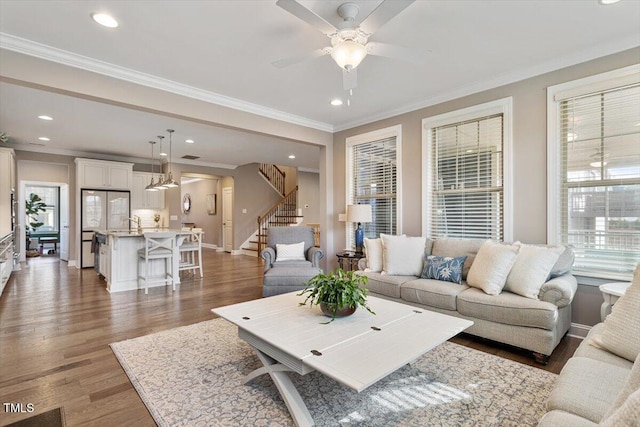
x,y
447,269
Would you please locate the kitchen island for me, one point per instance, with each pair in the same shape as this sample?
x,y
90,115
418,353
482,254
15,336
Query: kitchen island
x,y
118,260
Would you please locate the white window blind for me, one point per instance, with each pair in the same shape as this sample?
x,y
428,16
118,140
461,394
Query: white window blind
x,y
373,180
599,185
467,191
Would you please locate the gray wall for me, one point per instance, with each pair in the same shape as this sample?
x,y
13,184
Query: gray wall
x,y
529,159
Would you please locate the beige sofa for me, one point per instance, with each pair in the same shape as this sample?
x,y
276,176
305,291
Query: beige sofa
x,y
600,384
536,325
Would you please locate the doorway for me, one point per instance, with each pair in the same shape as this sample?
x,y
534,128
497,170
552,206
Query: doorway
x,y
227,219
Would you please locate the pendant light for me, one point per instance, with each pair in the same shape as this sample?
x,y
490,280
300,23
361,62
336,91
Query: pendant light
x,y
160,185
170,182
152,184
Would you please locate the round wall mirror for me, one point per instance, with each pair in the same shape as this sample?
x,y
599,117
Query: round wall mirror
x,y
186,203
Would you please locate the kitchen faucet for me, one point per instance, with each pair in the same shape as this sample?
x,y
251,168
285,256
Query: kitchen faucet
x,y
138,222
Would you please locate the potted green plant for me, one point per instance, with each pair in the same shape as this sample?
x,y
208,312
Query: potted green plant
x,y
338,294
33,206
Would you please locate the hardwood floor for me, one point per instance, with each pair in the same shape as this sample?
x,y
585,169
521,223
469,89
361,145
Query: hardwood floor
x,y
56,324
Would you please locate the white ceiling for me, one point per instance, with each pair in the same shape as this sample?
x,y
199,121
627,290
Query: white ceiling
x,y
227,47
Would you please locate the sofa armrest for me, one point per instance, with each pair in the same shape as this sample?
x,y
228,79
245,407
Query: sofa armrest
x,y
559,291
269,256
315,255
362,264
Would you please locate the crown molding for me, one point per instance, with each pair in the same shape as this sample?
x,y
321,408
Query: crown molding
x,y
101,156
50,53
593,52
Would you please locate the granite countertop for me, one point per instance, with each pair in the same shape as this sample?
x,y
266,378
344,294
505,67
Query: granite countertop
x,y
134,233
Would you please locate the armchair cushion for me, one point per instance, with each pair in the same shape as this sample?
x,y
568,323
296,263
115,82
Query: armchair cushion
x,y
291,252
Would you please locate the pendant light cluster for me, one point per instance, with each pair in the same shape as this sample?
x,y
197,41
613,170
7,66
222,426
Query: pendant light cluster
x,y
169,182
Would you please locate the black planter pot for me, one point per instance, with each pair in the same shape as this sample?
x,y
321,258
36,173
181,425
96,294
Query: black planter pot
x,y
341,312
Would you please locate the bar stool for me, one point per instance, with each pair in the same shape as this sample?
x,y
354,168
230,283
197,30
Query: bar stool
x,y
157,246
191,247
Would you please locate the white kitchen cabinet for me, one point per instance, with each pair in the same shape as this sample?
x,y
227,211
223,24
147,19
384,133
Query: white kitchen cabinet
x,y
142,199
7,188
100,174
6,259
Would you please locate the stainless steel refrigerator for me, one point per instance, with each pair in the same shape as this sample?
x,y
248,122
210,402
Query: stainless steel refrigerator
x,y
101,210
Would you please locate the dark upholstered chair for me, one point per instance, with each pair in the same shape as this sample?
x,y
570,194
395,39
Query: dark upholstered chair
x,y
288,276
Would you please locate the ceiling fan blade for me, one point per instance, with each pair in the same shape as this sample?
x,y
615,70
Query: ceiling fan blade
x,y
382,14
301,12
349,79
295,59
415,56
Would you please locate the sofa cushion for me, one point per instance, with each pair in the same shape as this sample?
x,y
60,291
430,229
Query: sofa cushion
x,y
587,387
384,284
633,384
507,308
403,255
565,419
585,349
434,293
564,264
447,269
627,415
373,250
491,267
458,247
531,269
622,327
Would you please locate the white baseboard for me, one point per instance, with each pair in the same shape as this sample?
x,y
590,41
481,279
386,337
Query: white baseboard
x,y
576,330
209,246
72,263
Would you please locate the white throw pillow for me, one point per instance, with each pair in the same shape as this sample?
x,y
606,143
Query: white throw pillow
x,y
531,269
622,327
403,256
491,267
292,252
373,248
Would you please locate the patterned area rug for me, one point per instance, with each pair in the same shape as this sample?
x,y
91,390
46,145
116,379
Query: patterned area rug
x,y
192,376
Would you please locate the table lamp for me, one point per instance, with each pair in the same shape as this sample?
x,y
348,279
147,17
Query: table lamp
x,y
359,214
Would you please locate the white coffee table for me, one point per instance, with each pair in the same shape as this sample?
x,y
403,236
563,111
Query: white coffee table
x,y
356,351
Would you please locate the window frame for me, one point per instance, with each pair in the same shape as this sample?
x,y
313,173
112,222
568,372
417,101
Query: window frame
x,y
555,94
370,137
502,106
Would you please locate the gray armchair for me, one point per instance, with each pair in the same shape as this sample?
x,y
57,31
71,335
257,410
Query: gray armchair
x,y
288,276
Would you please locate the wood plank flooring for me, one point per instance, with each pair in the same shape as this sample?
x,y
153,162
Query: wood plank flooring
x,y
56,324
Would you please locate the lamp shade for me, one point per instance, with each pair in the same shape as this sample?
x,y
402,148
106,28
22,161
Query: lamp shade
x,y
359,213
348,54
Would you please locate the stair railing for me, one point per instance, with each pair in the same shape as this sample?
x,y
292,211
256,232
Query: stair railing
x,y
274,175
276,216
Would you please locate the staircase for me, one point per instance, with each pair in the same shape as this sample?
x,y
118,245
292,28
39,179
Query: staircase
x,y
283,214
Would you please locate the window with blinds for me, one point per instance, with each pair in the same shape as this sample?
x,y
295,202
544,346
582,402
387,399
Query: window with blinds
x,y
598,191
373,179
467,194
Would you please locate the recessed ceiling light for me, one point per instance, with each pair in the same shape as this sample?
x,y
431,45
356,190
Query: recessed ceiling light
x,y
163,154
336,102
189,141
44,138
105,20
291,156
45,117
605,2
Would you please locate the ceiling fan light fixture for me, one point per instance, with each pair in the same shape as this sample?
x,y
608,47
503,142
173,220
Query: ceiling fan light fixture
x,y
348,54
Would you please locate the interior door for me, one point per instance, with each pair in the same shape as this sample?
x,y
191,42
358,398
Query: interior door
x,y
64,222
227,219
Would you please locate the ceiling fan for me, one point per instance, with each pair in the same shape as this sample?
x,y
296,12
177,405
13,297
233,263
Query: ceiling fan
x,y
350,39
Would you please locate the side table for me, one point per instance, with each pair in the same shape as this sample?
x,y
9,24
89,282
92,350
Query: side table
x,y
611,293
348,260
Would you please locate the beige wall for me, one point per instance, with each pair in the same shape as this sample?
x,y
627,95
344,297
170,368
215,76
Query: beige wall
x,y
41,167
529,159
210,224
309,194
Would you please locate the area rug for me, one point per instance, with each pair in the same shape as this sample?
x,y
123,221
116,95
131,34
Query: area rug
x,y
192,376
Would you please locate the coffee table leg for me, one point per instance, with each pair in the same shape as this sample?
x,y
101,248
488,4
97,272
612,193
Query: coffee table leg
x,y
278,373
